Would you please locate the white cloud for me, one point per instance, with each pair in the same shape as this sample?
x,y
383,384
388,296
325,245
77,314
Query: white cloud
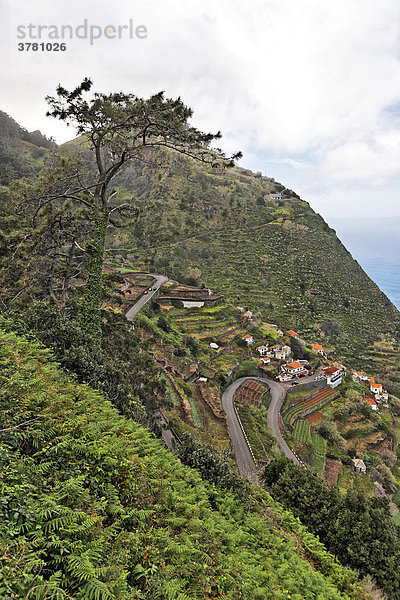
x,y
301,85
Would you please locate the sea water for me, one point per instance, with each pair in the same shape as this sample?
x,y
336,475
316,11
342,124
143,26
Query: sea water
x,y
375,244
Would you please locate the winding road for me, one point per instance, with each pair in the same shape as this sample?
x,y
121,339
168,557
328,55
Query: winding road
x,y
133,311
244,458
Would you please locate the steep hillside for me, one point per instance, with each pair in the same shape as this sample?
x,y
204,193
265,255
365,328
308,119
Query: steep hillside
x,y
277,256
96,508
21,153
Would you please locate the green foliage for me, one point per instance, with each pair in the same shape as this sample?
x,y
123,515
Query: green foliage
x,y
127,376
211,221
359,531
302,431
95,507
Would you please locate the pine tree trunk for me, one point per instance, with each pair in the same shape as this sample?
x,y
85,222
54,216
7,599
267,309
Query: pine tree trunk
x,y
91,320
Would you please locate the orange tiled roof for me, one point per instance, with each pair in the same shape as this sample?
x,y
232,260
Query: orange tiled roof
x,y
331,370
372,402
291,332
247,336
318,347
295,364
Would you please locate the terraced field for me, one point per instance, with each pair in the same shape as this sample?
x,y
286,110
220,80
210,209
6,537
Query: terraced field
x,y
251,393
302,431
308,403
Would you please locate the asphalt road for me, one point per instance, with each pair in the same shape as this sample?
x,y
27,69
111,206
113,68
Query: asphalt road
x,y
133,311
244,459
278,394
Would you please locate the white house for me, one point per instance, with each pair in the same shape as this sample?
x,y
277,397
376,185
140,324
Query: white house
x,y
359,465
265,360
277,196
262,350
318,348
357,376
280,352
294,368
376,388
214,346
372,403
333,376
248,339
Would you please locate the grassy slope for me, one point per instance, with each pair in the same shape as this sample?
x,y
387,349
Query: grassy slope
x,y
281,259
96,508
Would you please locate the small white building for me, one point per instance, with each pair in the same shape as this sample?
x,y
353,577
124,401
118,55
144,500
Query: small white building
x,y
276,196
280,352
214,346
359,465
376,388
248,339
294,368
318,348
262,350
372,403
265,360
333,376
357,376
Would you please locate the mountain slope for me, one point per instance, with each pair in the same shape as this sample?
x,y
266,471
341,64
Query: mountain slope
x,y
97,508
279,257
21,153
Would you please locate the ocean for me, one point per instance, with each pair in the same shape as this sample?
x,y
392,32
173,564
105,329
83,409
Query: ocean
x,y
375,244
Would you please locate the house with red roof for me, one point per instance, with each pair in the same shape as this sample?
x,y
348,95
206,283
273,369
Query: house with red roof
x,y
294,368
248,339
358,376
318,348
376,388
372,403
293,334
333,376
265,360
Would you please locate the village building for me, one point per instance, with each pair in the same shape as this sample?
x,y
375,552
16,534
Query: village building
x,y
372,403
247,315
214,346
280,352
376,388
265,360
262,350
357,376
276,197
295,368
248,339
293,334
333,376
359,465
318,348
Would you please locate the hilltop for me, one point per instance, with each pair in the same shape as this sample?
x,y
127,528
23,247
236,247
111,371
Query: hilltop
x,y
22,153
257,243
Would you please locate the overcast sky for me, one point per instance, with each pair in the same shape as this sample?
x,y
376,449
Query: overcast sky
x,y
309,90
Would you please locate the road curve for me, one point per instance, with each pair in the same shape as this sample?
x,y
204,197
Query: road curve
x,y
244,458
133,311
243,455
277,398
